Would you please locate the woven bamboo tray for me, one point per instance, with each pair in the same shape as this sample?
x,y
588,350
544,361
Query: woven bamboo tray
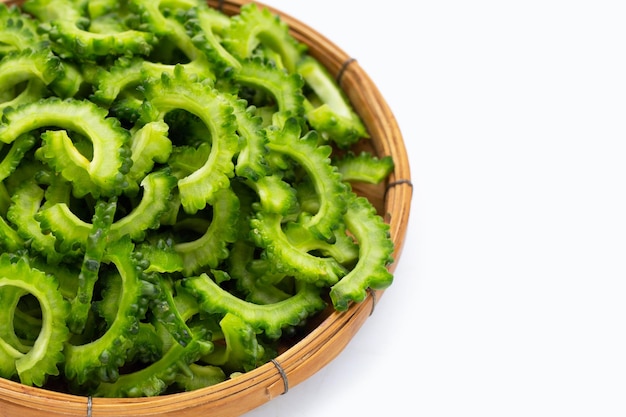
x,y
329,334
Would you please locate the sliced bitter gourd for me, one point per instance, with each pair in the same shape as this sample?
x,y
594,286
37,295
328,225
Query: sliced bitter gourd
x,y
42,359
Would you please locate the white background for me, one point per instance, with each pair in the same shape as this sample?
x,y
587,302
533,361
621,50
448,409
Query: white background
x,y
510,296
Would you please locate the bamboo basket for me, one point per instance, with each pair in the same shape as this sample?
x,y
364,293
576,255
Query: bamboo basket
x,y
329,333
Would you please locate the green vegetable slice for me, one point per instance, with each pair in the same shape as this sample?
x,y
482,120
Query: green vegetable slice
x,y
17,30
363,167
199,376
101,359
271,318
42,359
110,159
72,233
95,246
205,25
42,69
251,161
156,377
183,92
343,248
149,145
289,259
12,317
166,19
157,193
27,200
14,155
241,255
211,247
165,311
275,194
256,25
242,351
285,88
68,29
41,66
328,109
10,240
315,161
375,254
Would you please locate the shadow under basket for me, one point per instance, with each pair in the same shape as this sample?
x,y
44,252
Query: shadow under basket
x,y
328,334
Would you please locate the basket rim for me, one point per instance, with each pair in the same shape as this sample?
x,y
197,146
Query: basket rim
x,y
322,344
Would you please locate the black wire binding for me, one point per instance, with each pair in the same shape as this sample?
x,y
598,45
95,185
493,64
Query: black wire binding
x,y
374,301
283,375
343,68
396,183
220,5
399,182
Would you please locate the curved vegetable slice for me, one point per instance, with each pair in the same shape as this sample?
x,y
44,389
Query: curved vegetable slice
x,y
27,320
166,313
251,161
166,19
183,92
159,252
211,247
95,246
157,193
199,376
72,232
203,23
375,253
10,240
180,345
255,25
121,80
38,66
103,357
59,152
45,355
116,87
285,88
147,344
154,20
275,194
328,109
156,377
68,29
242,351
69,230
27,200
41,68
17,30
123,75
111,156
289,259
14,156
149,145
364,167
13,320
33,91
315,160
343,248
241,254
271,318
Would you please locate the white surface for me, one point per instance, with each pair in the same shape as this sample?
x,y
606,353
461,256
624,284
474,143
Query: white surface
x,y
509,298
